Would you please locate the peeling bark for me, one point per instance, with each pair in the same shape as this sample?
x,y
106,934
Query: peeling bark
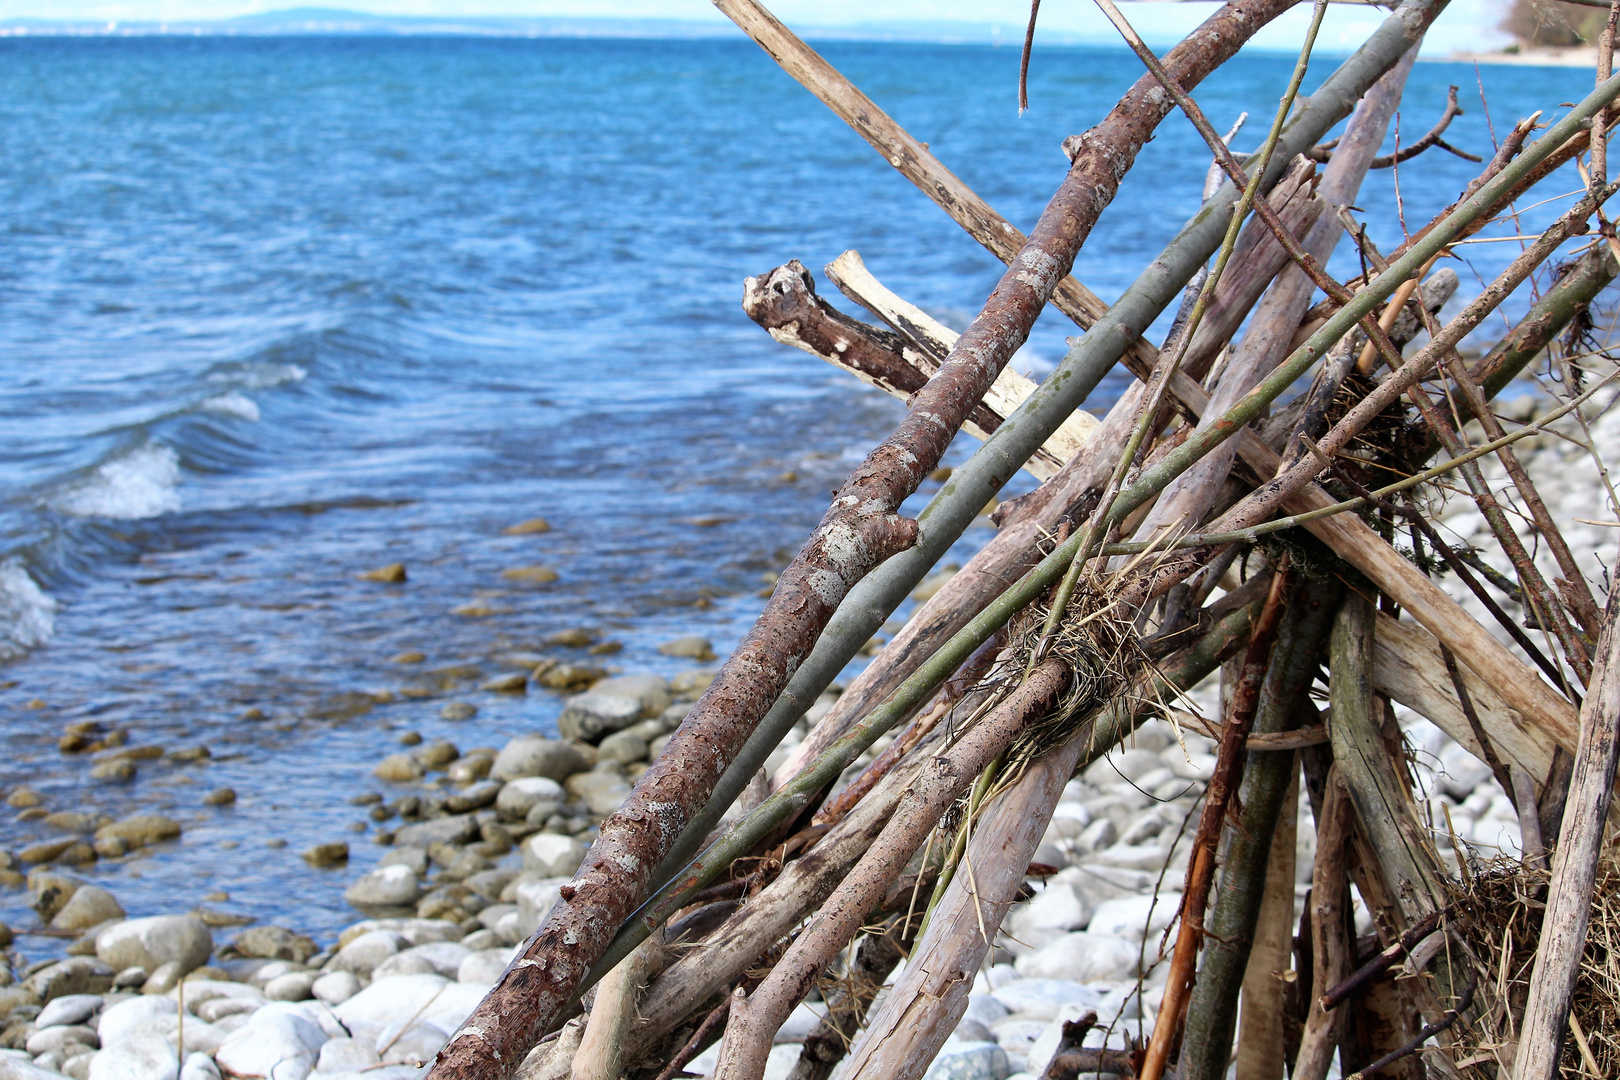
x,y
861,529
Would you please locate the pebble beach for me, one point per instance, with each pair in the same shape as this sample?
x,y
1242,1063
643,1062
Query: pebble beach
x,y
474,843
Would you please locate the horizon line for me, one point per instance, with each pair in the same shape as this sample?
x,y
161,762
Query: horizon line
x,y
310,21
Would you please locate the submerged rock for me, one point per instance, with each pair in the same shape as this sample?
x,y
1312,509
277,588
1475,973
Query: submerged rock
x,y
138,830
574,638
275,943
473,765
692,648
567,676
89,906
539,575
51,892
323,855
392,574
436,754
117,771
512,683
399,769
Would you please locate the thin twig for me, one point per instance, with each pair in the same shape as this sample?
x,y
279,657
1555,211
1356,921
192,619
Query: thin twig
x,y
1023,62
1598,170
1584,607
1165,371
1429,1031
1381,963
1217,797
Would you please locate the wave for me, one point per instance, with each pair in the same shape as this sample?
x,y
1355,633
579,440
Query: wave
x,y
264,375
232,404
27,613
143,483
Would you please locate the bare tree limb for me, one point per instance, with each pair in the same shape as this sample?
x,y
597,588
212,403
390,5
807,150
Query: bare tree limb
x,y
1580,842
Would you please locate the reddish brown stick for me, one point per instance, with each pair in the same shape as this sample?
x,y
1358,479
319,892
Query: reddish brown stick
x,y
1201,865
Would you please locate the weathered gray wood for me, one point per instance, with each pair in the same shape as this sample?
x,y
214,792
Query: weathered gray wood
x,y
746,1045
1408,667
1574,869
693,980
933,342
1261,1046
599,1055
924,1005
1383,807
1330,949
728,952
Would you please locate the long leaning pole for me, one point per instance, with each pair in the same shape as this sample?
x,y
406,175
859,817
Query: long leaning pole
x,y
1096,353
860,530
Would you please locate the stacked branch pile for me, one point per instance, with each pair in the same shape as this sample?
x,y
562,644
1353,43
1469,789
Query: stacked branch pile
x,y
1262,507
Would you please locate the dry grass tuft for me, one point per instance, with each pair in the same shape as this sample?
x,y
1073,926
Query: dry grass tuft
x,y
1499,918
1098,641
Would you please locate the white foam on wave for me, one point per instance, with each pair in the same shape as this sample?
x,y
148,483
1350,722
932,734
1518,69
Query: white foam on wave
x,y
262,376
142,483
232,404
27,613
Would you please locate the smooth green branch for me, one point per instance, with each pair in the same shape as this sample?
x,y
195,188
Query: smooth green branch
x,y
1168,367
1209,436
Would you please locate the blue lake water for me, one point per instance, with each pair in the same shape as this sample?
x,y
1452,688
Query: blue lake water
x,y
277,311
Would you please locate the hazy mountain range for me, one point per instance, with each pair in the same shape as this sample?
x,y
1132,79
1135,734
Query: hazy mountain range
x,y
329,21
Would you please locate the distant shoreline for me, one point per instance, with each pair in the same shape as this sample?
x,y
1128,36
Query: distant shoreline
x,y
1579,56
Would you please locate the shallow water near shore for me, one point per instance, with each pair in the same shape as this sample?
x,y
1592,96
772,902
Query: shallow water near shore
x,y
277,312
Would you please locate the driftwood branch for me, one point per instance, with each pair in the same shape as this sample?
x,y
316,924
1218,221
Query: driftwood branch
x,y
809,880
1262,1044
744,1049
1212,1007
1575,859
1217,796
923,1006
1330,948
861,529
599,1053
785,304
1382,804
846,1011
1325,151
1188,499
934,341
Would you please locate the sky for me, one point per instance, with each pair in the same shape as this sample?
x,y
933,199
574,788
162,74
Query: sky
x,y
1467,24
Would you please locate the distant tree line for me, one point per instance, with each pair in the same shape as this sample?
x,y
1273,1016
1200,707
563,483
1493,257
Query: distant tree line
x,y
1549,23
